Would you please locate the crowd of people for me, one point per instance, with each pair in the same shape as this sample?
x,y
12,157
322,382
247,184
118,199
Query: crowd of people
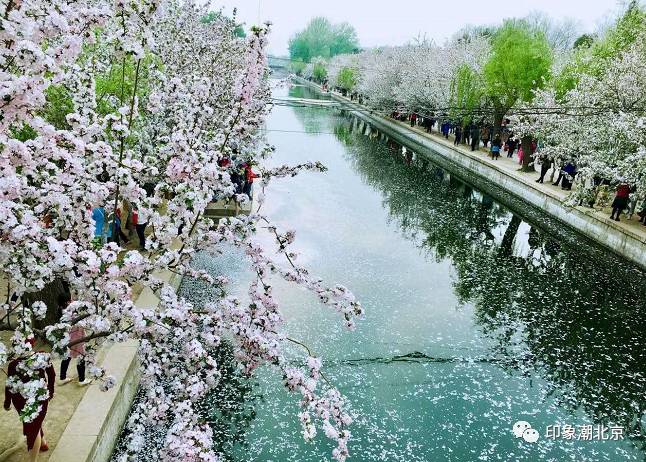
x,y
126,220
120,225
241,174
483,135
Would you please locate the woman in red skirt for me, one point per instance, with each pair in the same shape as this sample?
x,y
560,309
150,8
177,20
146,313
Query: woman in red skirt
x,y
32,430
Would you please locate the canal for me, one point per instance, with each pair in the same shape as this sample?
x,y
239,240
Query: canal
x,y
476,317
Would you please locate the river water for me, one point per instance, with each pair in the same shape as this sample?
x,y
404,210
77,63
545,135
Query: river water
x,y
476,318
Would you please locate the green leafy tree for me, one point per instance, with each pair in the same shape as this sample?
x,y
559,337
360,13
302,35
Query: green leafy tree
x,y
520,62
297,66
584,41
323,39
592,59
347,78
467,91
58,105
319,73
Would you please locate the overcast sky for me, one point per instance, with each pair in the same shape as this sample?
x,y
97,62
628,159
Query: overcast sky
x,y
394,22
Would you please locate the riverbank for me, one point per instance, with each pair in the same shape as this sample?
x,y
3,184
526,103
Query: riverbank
x,y
626,238
94,429
83,424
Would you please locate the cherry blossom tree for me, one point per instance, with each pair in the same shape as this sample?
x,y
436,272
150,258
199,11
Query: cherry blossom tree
x,y
611,143
187,92
379,75
416,77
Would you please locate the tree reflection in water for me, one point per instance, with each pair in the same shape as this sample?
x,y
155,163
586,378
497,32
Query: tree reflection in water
x,y
231,410
553,303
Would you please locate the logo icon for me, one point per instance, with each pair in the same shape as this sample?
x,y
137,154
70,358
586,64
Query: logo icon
x,y
525,431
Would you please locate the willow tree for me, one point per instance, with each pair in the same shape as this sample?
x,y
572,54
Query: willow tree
x,y
347,79
466,94
520,63
316,70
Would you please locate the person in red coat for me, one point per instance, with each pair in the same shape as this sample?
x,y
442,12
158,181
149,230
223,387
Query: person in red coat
x,y
32,430
621,201
249,177
224,162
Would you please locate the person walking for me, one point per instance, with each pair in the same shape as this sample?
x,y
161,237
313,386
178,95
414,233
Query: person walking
x,y
642,213
237,178
496,146
620,203
546,163
117,232
446,127
76,352
569,172
413,119
512,144
98,215
140,226
32,430
458,135
249,177
485,135
475,137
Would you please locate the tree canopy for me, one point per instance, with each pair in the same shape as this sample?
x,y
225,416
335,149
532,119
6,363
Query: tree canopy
x,y
323,39
347,78
593,55
520,61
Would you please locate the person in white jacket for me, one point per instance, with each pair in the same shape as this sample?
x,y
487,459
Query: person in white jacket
x,y
140,226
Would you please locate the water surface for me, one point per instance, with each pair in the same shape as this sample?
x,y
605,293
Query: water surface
x,y
476,318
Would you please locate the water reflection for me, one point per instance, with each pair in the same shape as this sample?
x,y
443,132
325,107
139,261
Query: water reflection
x,y
311,124
231,410
577,321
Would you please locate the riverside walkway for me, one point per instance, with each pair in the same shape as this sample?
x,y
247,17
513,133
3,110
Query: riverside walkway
x,y
626,237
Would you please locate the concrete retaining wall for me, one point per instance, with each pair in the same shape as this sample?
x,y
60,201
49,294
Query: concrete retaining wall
x,y
629,245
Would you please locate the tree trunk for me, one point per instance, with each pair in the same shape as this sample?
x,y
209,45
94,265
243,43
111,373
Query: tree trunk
x,y
526,143
498,115
55,295
509,236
